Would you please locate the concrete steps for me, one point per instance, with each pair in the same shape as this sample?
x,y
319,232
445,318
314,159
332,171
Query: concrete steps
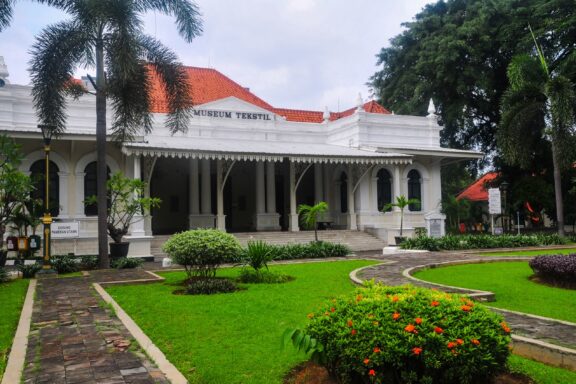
x,y
355,240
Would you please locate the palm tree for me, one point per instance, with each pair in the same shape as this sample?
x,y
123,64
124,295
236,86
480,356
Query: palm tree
x,y
538,105
401,202
107,35
309,215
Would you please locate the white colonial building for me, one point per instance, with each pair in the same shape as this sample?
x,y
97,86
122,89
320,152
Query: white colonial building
x,y
243,165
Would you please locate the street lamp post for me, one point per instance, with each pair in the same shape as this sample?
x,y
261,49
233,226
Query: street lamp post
x,y
47,132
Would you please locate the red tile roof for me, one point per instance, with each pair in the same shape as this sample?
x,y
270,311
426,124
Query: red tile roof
x,y
477,191
208,85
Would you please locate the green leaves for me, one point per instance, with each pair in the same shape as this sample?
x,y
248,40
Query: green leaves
x,y
309,215
303,342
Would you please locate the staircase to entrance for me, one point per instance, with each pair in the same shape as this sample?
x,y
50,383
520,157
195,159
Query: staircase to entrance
x,y
355,240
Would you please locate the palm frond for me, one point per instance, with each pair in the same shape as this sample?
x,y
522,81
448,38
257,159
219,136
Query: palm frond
x,y
58,49
188,18
6,11
175,81
541,56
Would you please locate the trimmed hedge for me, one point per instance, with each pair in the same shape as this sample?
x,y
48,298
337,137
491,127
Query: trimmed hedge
x,y
460,242
313,250
407,335
555,269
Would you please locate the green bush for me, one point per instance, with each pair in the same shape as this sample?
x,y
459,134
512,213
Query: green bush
x,y
65,264
251,276
126,263
408,335
202,251
257,255
88,262
29,270
3,275
313,250
209,286
460,242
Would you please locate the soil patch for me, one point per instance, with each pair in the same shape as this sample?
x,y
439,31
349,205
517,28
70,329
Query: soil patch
x,y
311,373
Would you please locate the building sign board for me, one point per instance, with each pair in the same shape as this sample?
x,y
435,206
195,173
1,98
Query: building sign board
x,y
435,228
494,201
232,115
65,230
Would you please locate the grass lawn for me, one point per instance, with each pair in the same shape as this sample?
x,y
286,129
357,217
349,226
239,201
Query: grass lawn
x,y
12,296
234,338
509,281
564,251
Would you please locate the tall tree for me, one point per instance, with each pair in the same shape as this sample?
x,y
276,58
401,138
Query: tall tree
x,y
539,104
108,35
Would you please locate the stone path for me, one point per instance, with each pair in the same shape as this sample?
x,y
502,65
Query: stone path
x,y
75,338
553,332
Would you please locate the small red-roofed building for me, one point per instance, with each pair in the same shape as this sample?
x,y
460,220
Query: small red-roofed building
x,y
243,165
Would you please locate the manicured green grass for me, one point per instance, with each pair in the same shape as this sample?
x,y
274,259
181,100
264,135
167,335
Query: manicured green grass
x,y
12,296
234,338
564,251
541,373
509,281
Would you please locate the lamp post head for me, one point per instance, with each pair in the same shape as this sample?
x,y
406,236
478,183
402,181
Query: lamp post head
x,y
47,132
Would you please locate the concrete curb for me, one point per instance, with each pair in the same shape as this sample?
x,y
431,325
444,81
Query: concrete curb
x,y
546,353
169,370
354,274
15,366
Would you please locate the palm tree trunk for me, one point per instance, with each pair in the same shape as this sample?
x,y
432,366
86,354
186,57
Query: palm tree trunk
x,y
558,191
101,168
401,220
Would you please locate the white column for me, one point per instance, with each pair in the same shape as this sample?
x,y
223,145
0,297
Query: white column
x,y
351,211
206,183
270,188
293,215
374,194
80,194
137,225
220,217
396,184
260,197
194,195
318,184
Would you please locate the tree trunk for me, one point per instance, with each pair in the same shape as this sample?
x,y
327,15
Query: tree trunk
x,y
101,168
401,220
558,191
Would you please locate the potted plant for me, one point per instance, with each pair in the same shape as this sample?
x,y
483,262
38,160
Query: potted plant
x,y
309,215
401,202
125,201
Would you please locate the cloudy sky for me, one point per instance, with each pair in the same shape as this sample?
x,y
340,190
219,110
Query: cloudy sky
x,y
304,54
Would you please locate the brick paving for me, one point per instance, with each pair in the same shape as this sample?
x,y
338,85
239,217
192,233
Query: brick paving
x,y
553,332
75,338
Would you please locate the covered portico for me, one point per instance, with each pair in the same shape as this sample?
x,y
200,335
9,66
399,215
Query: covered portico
x,y
270,180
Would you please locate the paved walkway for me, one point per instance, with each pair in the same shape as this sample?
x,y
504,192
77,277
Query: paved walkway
x,y
553,332
75,338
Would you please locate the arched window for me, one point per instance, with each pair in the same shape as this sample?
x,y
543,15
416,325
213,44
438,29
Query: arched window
x,y
384,188
343,193
37,174
91,187
415,189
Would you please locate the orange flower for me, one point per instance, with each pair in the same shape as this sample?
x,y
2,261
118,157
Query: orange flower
x,y
349,323
396,316
451,345
353,332
358,298
418,321
466,308
475,342
460,341
434,303
372,372
416,351
332,309
376,350
438,330
366,361
310,315
394,298
409,328
505,327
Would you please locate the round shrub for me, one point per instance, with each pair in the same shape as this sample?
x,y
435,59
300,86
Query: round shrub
x,y
127,263
64,264
201,251
409,335
209,286
557,270
251,276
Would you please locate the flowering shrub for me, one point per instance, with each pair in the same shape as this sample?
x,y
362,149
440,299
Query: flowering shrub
x,y
556,269
202,251
408,335
455,242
